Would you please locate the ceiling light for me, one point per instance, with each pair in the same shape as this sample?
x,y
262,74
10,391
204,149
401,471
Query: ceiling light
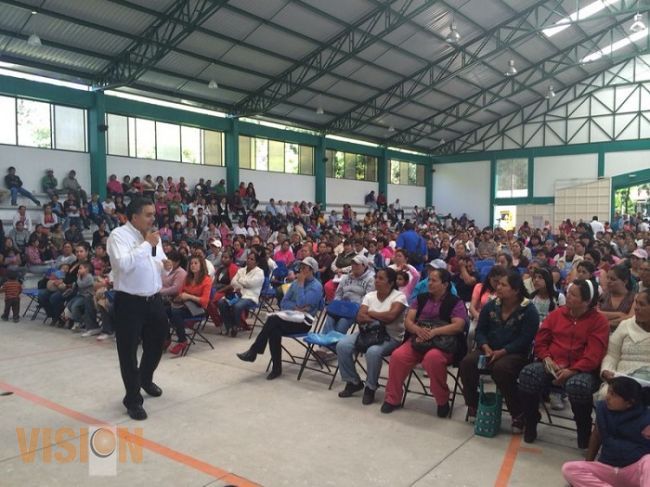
x,y
34,41
580,14
454,36
320,111
511,68
391,129
213,85
550,93
637,25
615,46
34,12
441,142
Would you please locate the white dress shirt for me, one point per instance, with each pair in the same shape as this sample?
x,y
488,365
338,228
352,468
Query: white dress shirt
x,y
135,270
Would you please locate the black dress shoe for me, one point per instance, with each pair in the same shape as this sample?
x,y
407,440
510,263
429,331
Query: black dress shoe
x,y
350,388
368,396
443,410
274,374
388,408
137,412
153,390
247,356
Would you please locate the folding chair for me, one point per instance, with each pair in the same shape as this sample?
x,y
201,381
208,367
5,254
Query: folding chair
x,y
32,294
196,325
294,359
267,295
341,309
550,415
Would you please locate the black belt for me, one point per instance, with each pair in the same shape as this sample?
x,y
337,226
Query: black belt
x,y
143,298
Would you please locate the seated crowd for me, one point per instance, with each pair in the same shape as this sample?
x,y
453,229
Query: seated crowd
x,y
550,314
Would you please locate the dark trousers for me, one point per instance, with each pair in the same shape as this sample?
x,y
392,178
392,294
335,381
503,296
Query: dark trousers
x,y
138,319
272,332
12,304
504,372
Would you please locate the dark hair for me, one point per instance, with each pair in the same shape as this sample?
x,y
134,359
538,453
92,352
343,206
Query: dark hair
x,y
624,274
548,283
83,244
595,254
496,271
12,275
506,256
404,275
175,256
585,291
135,206
391,275
203,271
628,389
590,267
443,274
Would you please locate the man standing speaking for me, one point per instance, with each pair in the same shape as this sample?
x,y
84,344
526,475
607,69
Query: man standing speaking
x,y
137,257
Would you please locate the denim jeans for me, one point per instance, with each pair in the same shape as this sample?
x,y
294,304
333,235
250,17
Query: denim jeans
x,y
232,314
23,192
345,350
342,325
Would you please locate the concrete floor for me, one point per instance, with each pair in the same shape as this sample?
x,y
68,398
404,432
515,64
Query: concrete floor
x,y
219,422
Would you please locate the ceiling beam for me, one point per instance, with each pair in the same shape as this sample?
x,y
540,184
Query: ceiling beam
x,y
543,70
351,41
162,35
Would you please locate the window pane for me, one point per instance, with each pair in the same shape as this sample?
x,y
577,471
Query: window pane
x,y
339,164
276,156
350,166
69,128
512,178
168,141
291,158
118,135
244,152
146,138
261,154
413,174
403,173
307,159
212,148
7,120
360,169
371,169
394,172
132,137
329,164
191,140
34,127
421,175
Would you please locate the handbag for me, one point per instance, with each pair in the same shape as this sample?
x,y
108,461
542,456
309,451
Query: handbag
x,y
488,414
193,308
370,335
446,343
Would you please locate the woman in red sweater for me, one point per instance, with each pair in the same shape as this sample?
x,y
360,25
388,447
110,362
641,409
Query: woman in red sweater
x,y
196,288
569,348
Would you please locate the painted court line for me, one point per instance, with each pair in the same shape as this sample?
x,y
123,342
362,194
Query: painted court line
x,y
176,456
508,462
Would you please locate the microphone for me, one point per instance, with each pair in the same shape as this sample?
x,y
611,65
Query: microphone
x,y
153,251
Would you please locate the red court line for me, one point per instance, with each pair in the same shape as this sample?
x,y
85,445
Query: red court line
x,y
182,458
508,462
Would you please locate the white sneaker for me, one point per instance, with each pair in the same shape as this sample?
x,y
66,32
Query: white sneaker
x,y
557,403
103,336
76,328
91,333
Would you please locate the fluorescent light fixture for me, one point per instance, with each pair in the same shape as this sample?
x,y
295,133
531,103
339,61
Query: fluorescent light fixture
x,y
391,129
637,25
213,85
615,46
580,14
441,142
34,41
454,36
320,111
550,93
511,69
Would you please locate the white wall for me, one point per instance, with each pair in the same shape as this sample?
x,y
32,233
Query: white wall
x,y
340,191
31,163
408,195
463,187
535,215
624,162
292,187
561,170
122,166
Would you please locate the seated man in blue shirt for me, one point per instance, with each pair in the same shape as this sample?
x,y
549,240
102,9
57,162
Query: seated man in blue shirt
x,y
305,294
